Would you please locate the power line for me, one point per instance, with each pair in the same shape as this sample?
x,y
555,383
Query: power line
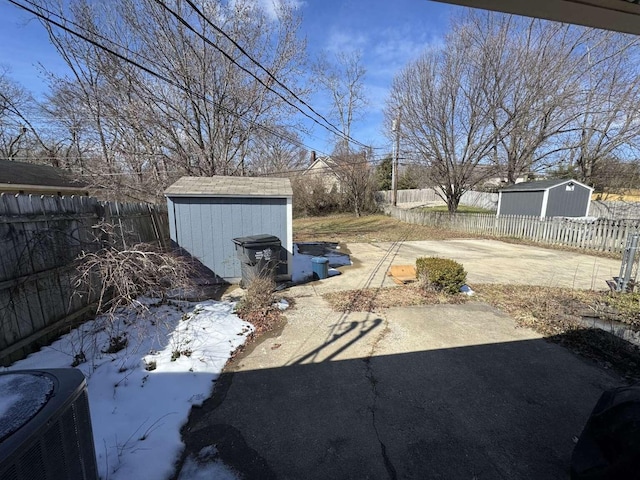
x,y
249,72
259,65
334,130
146,69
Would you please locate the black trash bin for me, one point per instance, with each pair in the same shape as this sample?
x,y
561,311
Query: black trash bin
x,y
259,256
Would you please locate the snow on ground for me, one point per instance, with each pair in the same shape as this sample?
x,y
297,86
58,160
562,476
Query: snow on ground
x,y
145,369
141,395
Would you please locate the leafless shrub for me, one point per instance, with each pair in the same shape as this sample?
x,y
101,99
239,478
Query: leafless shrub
x,y
258,305
121,275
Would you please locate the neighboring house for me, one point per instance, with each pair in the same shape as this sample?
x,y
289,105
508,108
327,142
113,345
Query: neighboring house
x,y
324,168
333,171
20,177
207,213
490,176
546,198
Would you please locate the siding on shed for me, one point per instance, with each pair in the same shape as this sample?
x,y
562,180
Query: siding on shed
x,y
206,226
563,203
521,203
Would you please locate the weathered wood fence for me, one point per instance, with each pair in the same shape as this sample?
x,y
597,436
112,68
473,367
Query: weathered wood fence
x,y
602,235
40,238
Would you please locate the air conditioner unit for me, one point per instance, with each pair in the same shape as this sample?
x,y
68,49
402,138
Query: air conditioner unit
x,y
45,426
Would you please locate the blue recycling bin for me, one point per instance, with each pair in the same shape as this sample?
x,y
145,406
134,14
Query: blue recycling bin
x,y
320,268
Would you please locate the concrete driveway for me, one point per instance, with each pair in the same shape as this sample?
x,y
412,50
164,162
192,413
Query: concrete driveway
x,y
450,391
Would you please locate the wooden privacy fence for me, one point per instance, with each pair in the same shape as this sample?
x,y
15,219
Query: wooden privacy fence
x,y
40,238
601,234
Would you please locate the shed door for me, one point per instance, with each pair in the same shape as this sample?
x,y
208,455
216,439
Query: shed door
x,y
521,203
565,201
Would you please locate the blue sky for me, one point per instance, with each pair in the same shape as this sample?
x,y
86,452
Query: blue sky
x,y
388,33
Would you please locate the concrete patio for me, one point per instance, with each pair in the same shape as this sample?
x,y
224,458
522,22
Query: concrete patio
x,y
448,391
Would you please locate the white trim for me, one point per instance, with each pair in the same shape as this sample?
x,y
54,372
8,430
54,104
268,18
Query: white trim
x,y
564,182
545,201
218,195
499,203
289,237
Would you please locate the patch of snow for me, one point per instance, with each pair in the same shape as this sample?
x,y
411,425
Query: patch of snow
x,y
466,289
333,272
141,396
206,466
283,304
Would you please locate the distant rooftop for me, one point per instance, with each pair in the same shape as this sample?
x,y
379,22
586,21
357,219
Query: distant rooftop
x,y
220,186
21,177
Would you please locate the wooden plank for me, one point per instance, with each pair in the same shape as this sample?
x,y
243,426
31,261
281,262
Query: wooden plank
x,y
402,273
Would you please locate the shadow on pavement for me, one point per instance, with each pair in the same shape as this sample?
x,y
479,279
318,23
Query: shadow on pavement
x,y
506,410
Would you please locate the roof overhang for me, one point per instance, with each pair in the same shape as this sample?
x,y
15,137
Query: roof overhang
x,y
42,189
515,188
616,15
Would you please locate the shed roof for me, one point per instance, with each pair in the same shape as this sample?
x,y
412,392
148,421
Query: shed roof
x,y
220,186
22,173
540,185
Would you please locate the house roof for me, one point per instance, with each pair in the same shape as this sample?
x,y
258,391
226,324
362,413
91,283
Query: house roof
x,y
617,15
220,186
21,176
327,164
540,185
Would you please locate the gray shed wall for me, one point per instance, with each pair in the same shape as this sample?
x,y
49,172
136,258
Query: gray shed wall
x,y
206,226
562,203
521,203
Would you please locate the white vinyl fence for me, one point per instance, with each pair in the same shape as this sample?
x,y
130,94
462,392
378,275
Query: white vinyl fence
x,y
488,201
601,234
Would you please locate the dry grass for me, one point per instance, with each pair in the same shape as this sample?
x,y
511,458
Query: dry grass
x,y
375,299
632,195
552,312
556,314
258,304
549,311
371,228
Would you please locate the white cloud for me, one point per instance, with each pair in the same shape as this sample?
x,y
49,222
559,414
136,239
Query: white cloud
x,y
272,8
394,48
340,42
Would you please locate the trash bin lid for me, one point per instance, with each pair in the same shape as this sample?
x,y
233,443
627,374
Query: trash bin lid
x,y
257,240
319,260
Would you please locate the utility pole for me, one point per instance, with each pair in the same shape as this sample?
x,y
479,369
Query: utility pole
x,y
396,155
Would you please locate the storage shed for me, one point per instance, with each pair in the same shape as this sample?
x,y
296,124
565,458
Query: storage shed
x,y
546,198
207,213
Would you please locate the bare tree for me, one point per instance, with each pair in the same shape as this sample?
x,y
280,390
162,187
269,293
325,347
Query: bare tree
x,y
343,80
445,114
607,124
19,138
278,153
357,180
559,93
196,110
533,68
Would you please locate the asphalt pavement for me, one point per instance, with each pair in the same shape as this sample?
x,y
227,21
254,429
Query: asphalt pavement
x,y
444,391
